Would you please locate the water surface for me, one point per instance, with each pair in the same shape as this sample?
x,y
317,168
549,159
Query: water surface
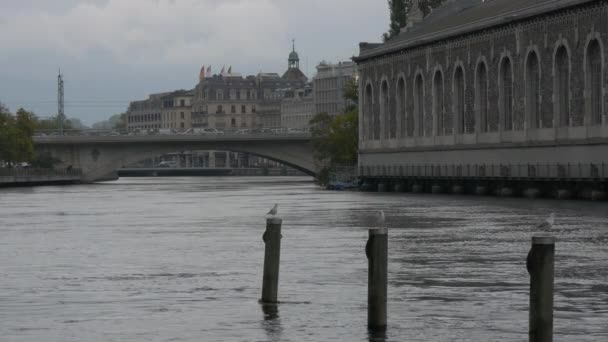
x,y
180,259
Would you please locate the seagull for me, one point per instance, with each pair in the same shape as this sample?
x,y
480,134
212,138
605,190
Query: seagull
x,y
274,210
547,224
380,218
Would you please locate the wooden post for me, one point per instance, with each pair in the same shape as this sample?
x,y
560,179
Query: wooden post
x,y
376,251
272,255
540,265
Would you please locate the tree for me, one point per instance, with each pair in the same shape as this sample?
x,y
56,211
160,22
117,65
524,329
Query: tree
x,y
25,125
398,10
351,92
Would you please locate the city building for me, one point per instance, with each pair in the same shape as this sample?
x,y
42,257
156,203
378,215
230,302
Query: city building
x,y
230,101
501,82
146,114
176,112
225,101
328,86
297,108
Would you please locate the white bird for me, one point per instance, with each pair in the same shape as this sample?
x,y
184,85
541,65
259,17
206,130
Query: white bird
x,y
547,224
274,210
380,218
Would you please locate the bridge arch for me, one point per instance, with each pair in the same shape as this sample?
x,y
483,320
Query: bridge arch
x,y
100,157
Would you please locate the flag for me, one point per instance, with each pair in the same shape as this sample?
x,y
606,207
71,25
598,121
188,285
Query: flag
x,y
201,74
230,70
223,70
209,70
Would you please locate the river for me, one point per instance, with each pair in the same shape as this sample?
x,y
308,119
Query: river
x,y
180,259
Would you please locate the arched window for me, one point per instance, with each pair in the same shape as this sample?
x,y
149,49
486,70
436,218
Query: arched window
x,y
419,105
387,115
481,96
593,81
368,121
438,112
459,101
533,91
400,110
506,92
561,85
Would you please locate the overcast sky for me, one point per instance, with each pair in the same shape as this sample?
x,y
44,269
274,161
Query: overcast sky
x,y
115,51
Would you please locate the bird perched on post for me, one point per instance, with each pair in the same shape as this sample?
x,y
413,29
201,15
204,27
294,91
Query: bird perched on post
x,y
547,224
273,211
380,218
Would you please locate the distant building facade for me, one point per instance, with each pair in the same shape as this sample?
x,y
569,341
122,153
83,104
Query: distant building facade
x,y
146,114
297,108
176,112
328,86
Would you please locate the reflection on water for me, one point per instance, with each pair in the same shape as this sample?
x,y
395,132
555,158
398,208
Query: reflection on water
x,y
180,259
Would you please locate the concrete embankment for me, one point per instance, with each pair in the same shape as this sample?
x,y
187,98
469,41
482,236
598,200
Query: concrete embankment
x,y
36,177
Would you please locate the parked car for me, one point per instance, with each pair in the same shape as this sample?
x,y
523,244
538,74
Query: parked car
x,y
243,131
211,131
167,164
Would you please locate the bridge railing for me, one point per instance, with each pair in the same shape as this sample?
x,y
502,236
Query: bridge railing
x,y
32,172
564,171
100,132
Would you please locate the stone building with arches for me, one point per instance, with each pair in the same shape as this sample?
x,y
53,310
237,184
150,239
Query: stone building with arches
x,y
495,82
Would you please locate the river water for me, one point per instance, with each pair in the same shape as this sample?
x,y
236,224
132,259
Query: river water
x,y
180,259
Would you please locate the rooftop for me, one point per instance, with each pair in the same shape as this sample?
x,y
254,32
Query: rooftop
x,y
457,17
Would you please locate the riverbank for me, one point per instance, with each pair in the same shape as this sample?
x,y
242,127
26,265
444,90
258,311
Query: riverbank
x,y
37,177
206,172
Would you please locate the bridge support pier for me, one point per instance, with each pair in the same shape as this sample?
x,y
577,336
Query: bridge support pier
x,y
436,189
481,190
458,189
417,188
564,194
532,193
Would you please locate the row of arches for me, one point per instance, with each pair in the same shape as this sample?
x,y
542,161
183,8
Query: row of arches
x,y
413,114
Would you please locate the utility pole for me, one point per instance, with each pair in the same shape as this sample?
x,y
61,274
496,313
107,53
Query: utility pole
x,y
60,106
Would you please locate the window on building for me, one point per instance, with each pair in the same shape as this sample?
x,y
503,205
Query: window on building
x,y
243,109
387,117
400,110
181,115
182,125
368,117
561,85
419,105
253,109
532,89
233,109
233,122
593,81
182,103
438,107
219,110
459,104
506,94
219,96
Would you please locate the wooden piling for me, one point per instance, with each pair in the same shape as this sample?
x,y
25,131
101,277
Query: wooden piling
x,y
376,251
540,265
272,255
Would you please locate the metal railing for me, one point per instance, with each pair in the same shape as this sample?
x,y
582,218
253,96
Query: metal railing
x,y
231,131
564,171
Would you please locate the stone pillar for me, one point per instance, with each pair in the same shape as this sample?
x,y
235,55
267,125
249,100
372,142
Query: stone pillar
x,y
212,159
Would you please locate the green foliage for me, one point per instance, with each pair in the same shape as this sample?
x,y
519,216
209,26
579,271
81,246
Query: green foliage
x,y
16,136
351,91
335,141
398,9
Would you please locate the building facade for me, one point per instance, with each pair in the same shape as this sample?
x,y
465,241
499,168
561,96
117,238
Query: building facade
x,y
230,101
328,86
297,108
225,102
500,82
146,114
176,112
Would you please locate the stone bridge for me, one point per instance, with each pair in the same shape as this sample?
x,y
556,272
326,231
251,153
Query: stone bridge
x,y
100,156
